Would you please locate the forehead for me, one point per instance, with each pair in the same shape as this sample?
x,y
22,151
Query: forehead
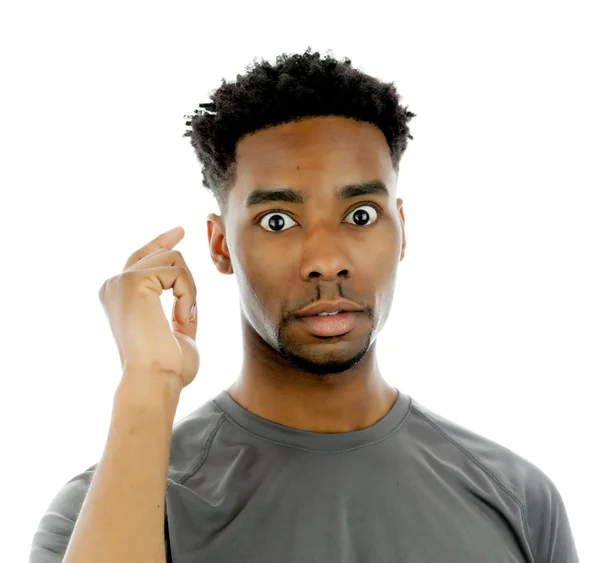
x,y
321,149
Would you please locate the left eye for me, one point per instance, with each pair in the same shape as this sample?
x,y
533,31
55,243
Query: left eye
x,y
356,213
362,213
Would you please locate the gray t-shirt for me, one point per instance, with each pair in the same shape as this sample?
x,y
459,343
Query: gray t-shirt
x,y
413,488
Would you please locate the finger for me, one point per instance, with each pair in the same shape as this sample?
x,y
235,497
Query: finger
x,y
185,291
168,240
188,329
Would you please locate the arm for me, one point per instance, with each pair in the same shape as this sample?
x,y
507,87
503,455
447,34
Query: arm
x,y
122,517
550,530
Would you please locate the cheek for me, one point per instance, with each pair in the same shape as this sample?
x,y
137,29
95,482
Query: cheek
x,y
261,264
263,277
271,262
383,256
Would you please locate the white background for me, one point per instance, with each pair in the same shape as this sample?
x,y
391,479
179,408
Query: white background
x,y
495,319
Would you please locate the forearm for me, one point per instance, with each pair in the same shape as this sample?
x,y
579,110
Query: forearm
x,y
122,517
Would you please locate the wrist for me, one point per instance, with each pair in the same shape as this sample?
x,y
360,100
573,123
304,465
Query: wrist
x,y
148,388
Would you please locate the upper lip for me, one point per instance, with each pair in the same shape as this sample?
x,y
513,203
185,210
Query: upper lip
x,y
329,307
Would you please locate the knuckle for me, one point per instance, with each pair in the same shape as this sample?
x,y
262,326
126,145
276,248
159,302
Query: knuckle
x,y
132,280
121,281
122,277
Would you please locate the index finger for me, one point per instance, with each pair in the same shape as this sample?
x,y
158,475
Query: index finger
x,y
168,239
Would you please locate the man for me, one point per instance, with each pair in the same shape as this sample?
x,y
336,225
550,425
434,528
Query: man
x,y
310,455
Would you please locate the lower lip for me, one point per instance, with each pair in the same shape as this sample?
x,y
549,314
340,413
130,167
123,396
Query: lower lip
x,y
330,326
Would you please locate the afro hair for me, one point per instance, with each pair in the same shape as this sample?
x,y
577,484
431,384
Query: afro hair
x,y
298,86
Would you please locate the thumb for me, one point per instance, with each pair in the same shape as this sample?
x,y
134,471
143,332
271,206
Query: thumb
x,y
191,328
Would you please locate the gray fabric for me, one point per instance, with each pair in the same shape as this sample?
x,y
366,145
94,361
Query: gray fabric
x,y
414,487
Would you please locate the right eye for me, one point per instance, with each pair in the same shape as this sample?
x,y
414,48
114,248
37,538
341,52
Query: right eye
x,y
276,222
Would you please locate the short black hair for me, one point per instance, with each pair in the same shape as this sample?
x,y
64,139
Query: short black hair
x,y
298,86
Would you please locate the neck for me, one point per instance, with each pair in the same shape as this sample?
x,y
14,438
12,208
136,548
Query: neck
x,y
328,412
273,389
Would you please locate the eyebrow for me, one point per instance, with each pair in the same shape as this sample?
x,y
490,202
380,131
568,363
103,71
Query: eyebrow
x,y
261,195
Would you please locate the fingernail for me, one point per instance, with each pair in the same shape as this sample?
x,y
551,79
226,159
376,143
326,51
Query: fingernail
x,y
192,314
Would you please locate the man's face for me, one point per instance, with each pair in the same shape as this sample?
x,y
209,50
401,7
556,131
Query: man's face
x,y
289,255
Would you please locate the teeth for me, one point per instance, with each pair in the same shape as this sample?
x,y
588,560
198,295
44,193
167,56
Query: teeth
x,y
327,314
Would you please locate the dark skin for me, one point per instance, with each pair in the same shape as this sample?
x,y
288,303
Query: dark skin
x,y
319,250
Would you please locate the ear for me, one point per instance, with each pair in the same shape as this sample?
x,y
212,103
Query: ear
x,y
217,243
399,203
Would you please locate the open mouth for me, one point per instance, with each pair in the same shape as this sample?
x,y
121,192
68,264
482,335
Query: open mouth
x,y
333,325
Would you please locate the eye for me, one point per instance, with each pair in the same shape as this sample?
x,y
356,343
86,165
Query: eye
x,y
362,216
277,221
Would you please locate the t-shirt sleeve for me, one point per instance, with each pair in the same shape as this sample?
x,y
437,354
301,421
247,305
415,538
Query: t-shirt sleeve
x,y
54,530
548,523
